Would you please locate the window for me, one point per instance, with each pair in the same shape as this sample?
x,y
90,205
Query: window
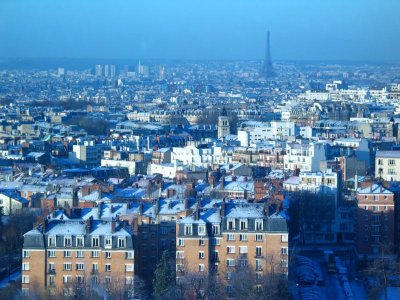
x,y
392,162
201,268
258,251
67,266
95,242
129,268
107,279
230,237
284,251
52,267
129,281
243,224
201,255
108,268
25,253
375,208
201,242
202,229
163,230
25,279
79,254
215,242
231,224
108,254
121,242
284,237
243,237
25,267
80,266
243,250
95,253
52,280
95,268
258,264
181,242
215,229
180,254
230,249
67,279
67,253
215,256
52,241
230,262
108,242
80,279
380,162
259,224
259,237
129,255
284,263
67,241
180,267
51,253
188,230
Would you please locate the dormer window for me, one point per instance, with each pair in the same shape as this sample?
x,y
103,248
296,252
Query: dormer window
x,y
231,224
188,229
121,242
67,241
215,229
95,241
52,241
259,224
108,242
202,229
243,224
80,241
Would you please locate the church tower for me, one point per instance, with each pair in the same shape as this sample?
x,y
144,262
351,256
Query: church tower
x,y
223,124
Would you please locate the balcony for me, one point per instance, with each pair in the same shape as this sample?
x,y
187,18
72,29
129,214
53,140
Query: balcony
x,y
94,272
51,271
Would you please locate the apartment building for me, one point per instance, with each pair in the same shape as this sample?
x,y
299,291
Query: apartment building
x,y
304,156
387,165
217,238
62,255
375,220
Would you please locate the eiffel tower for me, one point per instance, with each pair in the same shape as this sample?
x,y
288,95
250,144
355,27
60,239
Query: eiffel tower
x,y
267,69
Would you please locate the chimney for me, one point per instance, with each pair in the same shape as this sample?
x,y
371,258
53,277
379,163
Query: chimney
x,y
135,224
222,210
112,209
113,223
89,224
169,204
197,215
223,181
67,210
186,203
141,207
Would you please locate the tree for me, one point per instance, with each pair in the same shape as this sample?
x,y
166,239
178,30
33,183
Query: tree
x,y
379,272
164,278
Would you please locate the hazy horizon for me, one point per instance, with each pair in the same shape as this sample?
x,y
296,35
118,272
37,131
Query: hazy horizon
x,y
314,30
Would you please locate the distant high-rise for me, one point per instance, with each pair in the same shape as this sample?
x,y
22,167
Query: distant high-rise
x,y
98,70
106,71
113,71
267,69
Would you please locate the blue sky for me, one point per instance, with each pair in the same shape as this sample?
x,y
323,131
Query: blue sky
x,y
193,29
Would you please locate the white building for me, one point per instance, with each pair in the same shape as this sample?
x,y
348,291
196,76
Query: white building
x,y
305,156
387,165
253,132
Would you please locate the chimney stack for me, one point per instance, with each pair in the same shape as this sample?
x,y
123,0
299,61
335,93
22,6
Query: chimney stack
x,y
222,210
113,224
